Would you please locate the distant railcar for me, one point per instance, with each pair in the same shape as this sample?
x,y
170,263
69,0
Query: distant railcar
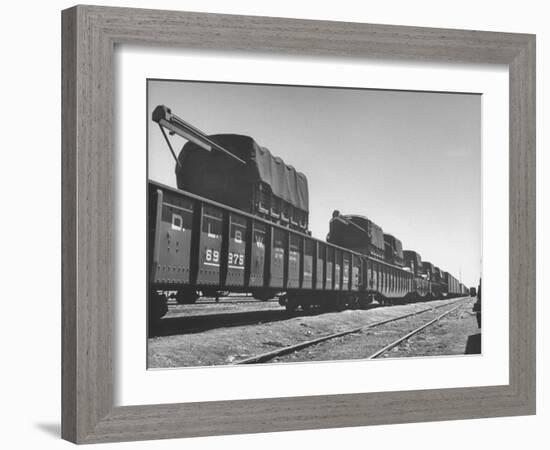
x,y
451,283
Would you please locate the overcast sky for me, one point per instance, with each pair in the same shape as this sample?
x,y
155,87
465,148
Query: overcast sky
x,y
409,161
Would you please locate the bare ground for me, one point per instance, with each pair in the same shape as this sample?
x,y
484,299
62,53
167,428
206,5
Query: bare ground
x,y
455,334
448,338
227,345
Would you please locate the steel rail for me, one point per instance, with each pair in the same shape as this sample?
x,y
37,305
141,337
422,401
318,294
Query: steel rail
x,y
412,333
222,302
295,347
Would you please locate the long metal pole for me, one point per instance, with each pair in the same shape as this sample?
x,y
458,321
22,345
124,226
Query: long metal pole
x,y
170,146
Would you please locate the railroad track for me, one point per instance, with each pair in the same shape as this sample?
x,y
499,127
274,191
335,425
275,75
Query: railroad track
x,y
223,302
264,357
417,330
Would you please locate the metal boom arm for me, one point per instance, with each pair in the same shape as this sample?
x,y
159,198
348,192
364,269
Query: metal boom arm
x,y
164,117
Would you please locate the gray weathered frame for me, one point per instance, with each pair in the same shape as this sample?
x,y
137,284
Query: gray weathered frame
x,y
89,36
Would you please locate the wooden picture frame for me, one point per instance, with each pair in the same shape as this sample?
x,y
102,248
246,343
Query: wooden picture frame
x,y
89,37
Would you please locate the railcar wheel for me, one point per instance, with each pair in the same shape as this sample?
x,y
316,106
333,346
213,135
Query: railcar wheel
x,y
340,303
263,295
186,297
291,305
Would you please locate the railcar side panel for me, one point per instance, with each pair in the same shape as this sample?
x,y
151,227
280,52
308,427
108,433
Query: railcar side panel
x,y
374,278
320,266
407,280
172,239
210,246
422,287
337,269
278,257
238,231
400,284
375,281
329,273
257,254
391,282
387,281
385,278
346,259
294,251
307,273
401,279
355,272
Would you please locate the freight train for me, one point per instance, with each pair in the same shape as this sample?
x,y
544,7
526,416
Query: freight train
x,y
238,222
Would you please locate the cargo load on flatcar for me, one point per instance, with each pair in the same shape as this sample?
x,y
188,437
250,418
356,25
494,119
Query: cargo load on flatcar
x,y
356,233
413,262
393,250
264,185
438,275
429,270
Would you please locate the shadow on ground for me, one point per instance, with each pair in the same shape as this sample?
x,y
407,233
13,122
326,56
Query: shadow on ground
x,y
170,326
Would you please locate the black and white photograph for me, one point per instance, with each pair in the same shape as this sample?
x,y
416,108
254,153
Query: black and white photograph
x,y
298,224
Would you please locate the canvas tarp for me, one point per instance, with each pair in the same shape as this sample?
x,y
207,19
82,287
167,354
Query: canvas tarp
x,y
374,232
284,181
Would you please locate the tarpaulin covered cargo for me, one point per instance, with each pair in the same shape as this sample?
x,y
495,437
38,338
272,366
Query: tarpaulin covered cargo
x,y
413,260
212,174
428,269
374,232
356,233
393,250
285,181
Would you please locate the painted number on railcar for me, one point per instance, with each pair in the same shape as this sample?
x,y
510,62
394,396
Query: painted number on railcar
x,y
236,260
212,257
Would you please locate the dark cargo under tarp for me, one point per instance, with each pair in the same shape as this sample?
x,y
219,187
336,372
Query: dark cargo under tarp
x,y
356,233
212,174
285,181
